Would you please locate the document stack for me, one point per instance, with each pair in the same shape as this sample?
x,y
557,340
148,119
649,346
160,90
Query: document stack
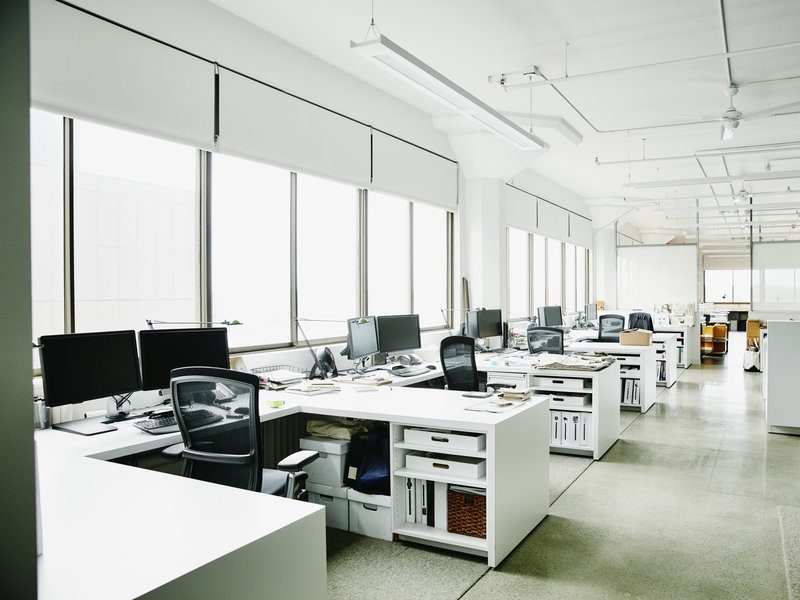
x,y
516,395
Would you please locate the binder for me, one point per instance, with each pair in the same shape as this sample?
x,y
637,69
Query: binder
x,y
410,494
635,395
422,498
555,428
440,505
569,423
585,438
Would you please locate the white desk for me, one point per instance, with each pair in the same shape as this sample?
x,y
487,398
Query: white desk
x,y
779,380
112,531
516,481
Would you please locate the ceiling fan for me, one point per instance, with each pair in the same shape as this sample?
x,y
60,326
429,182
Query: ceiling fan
x,y
742,196
731,118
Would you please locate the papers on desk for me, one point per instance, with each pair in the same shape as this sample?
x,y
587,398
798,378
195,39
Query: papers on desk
x,y
495,405
313,388
373,379
515,395
279,379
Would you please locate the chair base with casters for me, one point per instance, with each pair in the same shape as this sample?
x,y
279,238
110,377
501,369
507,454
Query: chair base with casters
x,y
226,449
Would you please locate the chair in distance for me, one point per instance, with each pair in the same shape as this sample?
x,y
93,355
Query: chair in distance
x,y
457,354
228,451
545,339
609,327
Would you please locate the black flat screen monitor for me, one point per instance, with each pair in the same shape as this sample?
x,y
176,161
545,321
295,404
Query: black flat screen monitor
x,y
550,316
590,312
484,323
85,366
362,337
398,333
165,349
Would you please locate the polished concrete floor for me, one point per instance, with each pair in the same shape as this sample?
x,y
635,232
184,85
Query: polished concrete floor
x,y
684,505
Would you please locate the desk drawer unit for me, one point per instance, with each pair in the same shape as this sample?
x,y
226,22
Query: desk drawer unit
x,y
518,380
445,440
628,359
559,382
456,466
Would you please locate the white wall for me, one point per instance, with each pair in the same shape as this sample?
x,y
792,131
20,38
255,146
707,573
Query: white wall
x,y
650,276
17,523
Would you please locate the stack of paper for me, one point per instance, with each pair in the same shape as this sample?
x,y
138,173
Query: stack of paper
x,y
312,388
517,395
374,379
279,379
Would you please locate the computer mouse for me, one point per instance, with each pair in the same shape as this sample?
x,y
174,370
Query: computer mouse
x,y
242,410
394,368
431,367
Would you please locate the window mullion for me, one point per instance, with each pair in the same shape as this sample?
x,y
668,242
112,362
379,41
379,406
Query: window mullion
x,y
69,227
293,258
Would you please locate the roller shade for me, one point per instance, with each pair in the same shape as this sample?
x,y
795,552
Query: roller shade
x,y
553,221
402,169
84,67
520,209
581,232
261,123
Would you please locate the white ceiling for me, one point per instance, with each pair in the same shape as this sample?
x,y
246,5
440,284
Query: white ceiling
x,y
468,40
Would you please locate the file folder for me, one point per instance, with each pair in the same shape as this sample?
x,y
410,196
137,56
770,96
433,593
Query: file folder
x,y
555,428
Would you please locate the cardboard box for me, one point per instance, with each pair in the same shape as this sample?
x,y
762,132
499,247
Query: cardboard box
x,y
753,328
635,337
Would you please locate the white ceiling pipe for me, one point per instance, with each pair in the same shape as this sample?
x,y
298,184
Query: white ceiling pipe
x,y
732,225
772,175
730,207
606,163
677,61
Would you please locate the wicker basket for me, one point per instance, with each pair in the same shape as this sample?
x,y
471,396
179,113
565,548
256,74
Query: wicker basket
x,y
466,513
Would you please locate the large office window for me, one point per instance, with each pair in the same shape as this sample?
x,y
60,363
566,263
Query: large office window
x,y
518,274
431,238
47,224
727,285
327,256
539,274
388,255
250,251
581,278
554,272
135,229
569,277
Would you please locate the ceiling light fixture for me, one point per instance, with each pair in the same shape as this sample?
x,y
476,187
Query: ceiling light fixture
x,y
404,65
709,180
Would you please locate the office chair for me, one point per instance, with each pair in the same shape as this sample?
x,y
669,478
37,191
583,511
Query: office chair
x,y
609,328
228,450
545,339
457,354
640,320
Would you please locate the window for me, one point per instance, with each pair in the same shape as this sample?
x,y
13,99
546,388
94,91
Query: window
x,y
590,297
431,238
135,222
539,274
327,256
569,277
47,225
388,255
726,285
741,285
580,278
250,251
518,274
554,274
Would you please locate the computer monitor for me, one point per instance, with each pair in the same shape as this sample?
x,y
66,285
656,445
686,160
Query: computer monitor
x,y
484,323
85,366
550,316
590,312
398,333
162,350
362,337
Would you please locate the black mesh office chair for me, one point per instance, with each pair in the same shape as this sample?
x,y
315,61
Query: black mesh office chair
x,y
224,446
609,328
545,339
457,354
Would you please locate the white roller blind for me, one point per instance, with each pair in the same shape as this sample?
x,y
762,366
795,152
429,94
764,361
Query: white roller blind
x,y
520,209
581,232
405,170
84,67
553,221
258,122
650,276
776,276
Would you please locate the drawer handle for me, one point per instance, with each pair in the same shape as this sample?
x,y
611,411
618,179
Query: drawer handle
x,y
444,440
372,507
325,498
557,399
441,465
561,381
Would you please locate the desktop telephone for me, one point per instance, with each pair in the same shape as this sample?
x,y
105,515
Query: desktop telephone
x,y
325,365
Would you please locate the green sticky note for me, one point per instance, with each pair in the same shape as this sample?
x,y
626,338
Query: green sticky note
x,y
276,403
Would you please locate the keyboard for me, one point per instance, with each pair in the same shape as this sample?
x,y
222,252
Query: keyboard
x,y
162,425
410,371
223,393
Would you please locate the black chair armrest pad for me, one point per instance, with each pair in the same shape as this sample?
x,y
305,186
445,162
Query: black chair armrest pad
x,y
174,451
298,460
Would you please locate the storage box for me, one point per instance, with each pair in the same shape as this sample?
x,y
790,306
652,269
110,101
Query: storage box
x,y
370,515
334,499
635,337
570,400
445,439
328,469
457,466
466,512
753,328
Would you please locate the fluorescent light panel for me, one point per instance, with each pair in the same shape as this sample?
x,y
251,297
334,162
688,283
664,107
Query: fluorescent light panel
x,y
709,180
421,76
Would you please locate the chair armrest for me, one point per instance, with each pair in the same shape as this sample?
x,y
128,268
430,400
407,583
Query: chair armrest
x,y
173,452
298,460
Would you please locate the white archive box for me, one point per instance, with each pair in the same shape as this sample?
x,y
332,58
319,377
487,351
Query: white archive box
x,y
370,514
571,429
328,469
445,439
458,466
570,400
334,499
559,382
556,431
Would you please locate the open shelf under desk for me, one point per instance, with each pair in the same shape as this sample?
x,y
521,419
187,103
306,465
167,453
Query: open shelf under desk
x,y
441,536
586,409
440,450
443,477
572,450
636,407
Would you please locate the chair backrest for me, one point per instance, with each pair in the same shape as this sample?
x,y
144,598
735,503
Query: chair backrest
x,y
457,354
609,327
545,339
640,320
219,449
